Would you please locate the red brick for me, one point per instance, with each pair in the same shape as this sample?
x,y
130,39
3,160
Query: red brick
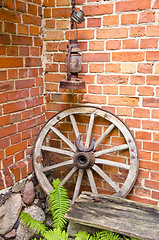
x,y
95,89
16,117
151,102
22,29
12,51
145,67
152,184
152,80
149,165
98,9
16,172
146,91
32,9
96,67
12,73
124,101
143,192
112,33
142,135
8,178
26,134
155,176
1,182
83,34
94,22
155,113
152,56
47,12
51,46
137,31
9,4
34,20
61,12
11,62
146,17
151,125
127,19
2,50
1,154
112,67
52,77
110,90
155,195
141,113
96,57
149,43
21,6
33,62
130,44
59,57
133,123
50,23
7,15
92,99
54,35
14,107
133,5
16,148
49,3
7,161
152,31
4,120
38,41
142,200
112,79
110,20
32,102
30,166
21,40
128,56
113,44
137,80
6,86
23,169
4,39
3,75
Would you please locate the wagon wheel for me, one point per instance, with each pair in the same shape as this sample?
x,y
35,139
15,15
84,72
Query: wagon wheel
x,y
87,155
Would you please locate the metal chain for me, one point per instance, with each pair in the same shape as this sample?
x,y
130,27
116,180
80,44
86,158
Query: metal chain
x,y
73,2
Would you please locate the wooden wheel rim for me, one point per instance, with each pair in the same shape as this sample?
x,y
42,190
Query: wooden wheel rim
x,y
115,122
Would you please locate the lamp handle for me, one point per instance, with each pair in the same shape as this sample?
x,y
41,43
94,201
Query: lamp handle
x,y
68,63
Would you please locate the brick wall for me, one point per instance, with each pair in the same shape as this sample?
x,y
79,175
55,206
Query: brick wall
x,y
119,43
21,87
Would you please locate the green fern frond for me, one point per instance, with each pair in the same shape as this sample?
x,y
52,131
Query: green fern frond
x,y
30,222
57,234
59,204
82,235
108,235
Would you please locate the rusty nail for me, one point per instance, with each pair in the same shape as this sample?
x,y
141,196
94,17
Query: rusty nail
x,y
129,140
58,117
105,115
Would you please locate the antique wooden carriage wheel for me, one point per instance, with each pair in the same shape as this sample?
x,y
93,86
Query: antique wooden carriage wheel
x,y
85,154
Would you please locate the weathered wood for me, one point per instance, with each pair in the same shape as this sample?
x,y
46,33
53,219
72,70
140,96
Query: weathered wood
x,y
91,181
43,144
78,184
120,215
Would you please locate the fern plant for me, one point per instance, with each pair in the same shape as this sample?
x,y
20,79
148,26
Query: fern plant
x,y
59,204
103,235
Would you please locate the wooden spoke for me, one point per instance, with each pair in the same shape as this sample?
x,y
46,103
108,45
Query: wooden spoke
x,y
66,140
112,163
89,132
45,169
91,180
68,176
74,125
56,150
78,184
109,129
106,178
111,150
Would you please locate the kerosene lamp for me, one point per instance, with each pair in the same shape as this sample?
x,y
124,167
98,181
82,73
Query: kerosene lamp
x,y
73,60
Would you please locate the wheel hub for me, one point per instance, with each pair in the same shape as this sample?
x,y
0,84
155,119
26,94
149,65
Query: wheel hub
x,y
84,159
